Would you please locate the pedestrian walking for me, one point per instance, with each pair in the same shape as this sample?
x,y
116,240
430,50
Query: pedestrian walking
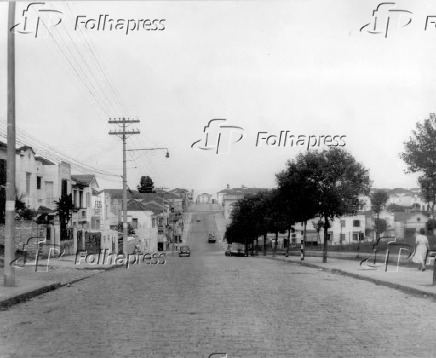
x,y
421,249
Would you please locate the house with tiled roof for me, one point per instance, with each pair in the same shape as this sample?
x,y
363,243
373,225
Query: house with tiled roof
x,y
39,181
85,199
144,220
158,204
183,194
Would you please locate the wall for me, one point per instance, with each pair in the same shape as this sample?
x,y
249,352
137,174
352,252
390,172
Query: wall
x,y
109,241
24,229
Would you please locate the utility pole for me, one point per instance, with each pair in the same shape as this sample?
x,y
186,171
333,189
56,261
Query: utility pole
x,y
9,270
122,134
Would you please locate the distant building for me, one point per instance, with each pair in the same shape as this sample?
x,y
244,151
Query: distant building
x,y
228,197
204,198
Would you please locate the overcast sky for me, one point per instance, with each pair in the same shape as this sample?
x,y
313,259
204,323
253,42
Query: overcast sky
x,y
297,66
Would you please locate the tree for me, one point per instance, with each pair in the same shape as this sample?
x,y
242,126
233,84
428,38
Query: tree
x,y
420,156
146,185
337,181
428,193
318,225
297,193
420,150
431,224
277,220
380,226
21,209
64,209
378,201
248,220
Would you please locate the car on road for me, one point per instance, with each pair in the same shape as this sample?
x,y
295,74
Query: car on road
x,y
184,251
211,239
235,249
198,219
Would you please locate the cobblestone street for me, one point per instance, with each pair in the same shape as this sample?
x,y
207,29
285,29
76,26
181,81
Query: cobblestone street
x,y
195,306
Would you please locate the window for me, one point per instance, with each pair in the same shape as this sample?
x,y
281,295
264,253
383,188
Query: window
x,y
88,200
80,199
418,219
356,223
153,222
358,236
38,182
28,177
64,187
75,197
134,223
342,223
342,238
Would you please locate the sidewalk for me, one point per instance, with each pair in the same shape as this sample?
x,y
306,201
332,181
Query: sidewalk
x,y
60,272
407,279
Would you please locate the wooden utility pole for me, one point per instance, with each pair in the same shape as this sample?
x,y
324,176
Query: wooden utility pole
x,y
9,270
123,134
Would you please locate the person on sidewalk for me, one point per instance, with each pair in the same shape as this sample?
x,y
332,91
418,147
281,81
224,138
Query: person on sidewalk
x,y
421,249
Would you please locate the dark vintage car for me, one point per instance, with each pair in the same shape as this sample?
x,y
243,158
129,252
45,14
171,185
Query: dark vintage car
x,y
184,251
235,250
211,239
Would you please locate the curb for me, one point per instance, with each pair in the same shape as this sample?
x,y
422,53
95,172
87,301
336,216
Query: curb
x,y
23,297
377,282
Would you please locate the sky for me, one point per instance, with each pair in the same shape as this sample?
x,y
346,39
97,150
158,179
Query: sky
x,y
302,67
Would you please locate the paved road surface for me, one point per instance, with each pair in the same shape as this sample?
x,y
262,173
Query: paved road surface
x,y
245,307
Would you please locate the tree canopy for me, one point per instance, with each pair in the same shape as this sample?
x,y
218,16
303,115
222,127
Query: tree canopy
x,y
420,150
146,185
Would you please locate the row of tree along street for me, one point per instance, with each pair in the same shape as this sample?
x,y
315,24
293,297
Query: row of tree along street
x,y
327,185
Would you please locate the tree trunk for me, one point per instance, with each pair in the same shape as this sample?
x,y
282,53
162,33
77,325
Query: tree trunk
x,y
288,242
324,254
377,234
264,244
432,221
275,244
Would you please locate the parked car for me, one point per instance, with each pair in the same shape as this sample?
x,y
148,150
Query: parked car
x,y
211,239
235,249
184,251
198,219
